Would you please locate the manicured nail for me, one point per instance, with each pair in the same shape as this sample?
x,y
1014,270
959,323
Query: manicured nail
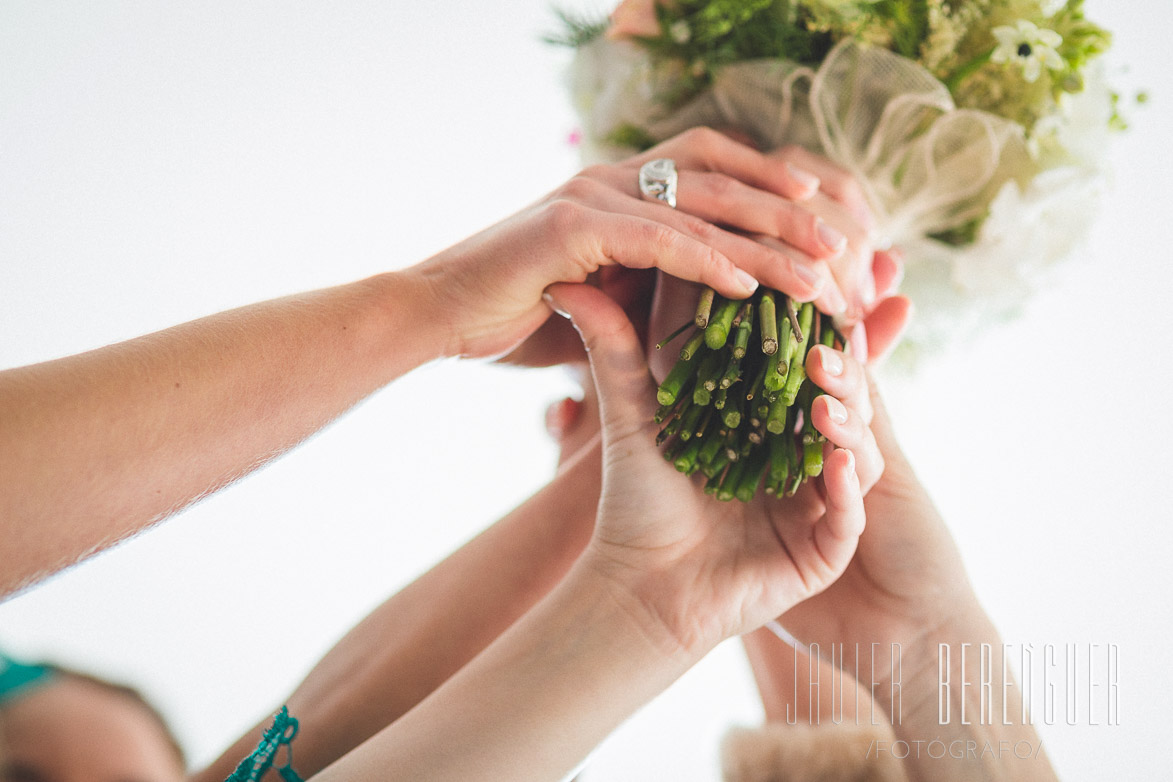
x,y
836,410
810,276
867,286
806,179
833,300
858,341
831,238
830,361
747,281
557,310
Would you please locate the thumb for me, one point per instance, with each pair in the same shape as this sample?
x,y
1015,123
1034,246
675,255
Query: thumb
x,y
627,394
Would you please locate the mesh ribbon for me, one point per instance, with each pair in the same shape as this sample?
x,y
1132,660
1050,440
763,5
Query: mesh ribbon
x,y
925,165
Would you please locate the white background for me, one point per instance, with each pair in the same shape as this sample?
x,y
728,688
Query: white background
x,y
159,162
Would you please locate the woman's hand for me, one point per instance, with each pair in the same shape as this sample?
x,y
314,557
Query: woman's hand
x,y
487,289
907,579
841,205
904,596
872,314
698,571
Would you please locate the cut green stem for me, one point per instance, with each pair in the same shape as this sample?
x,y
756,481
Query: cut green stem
x,y
717,334
768,324
704,308
660,345
670,389
693,345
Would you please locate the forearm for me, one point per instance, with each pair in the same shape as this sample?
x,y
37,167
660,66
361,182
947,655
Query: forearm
x,y
421,636
97,446
534,703
952,693
796,688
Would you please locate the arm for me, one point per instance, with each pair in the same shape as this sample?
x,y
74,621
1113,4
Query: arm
x,y
96,447
423,635
907,587
667,574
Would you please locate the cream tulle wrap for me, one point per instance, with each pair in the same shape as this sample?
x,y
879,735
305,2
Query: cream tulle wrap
x,y
925,165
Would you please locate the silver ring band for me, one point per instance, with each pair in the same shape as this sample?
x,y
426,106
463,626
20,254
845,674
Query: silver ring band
x,y
657,181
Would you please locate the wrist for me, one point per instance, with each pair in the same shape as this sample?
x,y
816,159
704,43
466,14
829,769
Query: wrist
x,y
657,602
412,315
946,652
638,622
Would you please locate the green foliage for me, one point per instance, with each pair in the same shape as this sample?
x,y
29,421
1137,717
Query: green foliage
x,y
908,22
961,235
576,30
630,137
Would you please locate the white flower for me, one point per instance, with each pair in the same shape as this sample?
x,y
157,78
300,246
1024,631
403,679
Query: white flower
x,y
680,32
1029,46
1052,7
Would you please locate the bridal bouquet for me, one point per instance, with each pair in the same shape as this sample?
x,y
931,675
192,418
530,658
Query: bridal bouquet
x,y
976,129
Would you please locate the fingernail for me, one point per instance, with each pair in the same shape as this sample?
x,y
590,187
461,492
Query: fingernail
x,y
830,361
550,303
831,238
834,301
867,286
850,459
858,340
836,410
809,181
810,276
747,281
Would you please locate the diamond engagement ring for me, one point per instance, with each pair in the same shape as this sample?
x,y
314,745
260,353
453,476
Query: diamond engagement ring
x,y
657,181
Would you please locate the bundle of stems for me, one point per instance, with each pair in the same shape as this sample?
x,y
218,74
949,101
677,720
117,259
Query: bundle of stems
x,y
737,405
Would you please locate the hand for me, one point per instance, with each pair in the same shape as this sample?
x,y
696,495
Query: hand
x,y
869,278
841,205
906,580
674,303
697,570
487,289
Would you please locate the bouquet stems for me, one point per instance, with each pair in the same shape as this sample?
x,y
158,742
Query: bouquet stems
x,y
736,407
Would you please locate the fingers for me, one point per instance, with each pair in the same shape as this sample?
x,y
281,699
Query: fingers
x,y
842,377
837,533
885,325
830,298
834,180
845,412
846,429
723,200
709,150
605,189
627,398
857,341
639,243
888,271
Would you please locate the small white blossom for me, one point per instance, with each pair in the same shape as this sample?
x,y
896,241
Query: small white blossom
x,y
680,32
1052,7
1029,46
